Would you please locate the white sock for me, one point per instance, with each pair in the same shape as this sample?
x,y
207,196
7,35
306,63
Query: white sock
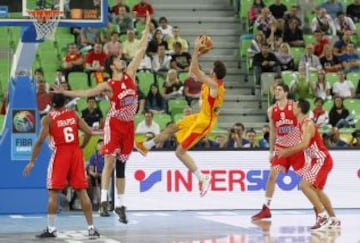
x,y
51,222
104,194
267,201
322,214
198,174
120,200
149,144
90,227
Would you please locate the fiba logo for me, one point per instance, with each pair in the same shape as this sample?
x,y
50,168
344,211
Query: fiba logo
x,y
23,121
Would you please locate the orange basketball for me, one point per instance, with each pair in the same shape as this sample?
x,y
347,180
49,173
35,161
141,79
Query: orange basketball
x,y
206,44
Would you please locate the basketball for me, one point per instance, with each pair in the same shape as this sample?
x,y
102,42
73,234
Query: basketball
x,y
206,44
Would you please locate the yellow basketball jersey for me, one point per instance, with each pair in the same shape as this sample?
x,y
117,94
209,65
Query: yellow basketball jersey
x,y
210,106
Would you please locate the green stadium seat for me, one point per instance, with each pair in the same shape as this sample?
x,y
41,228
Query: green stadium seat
x,y
138,118
104,106
130,3
297,52
288,77
176,106
2,120
81,105
354,78
145,80
289,3
78,80
328,105
183,76
309,39
245,43
244,10
178,117
162,120
331,78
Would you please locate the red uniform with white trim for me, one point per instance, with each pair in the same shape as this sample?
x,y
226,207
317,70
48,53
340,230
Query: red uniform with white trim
x,y
287,135
67,161
119,128
321,163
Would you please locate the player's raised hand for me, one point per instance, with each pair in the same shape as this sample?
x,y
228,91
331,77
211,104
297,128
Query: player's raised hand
x,y
57,89
28,168
198,42
147,18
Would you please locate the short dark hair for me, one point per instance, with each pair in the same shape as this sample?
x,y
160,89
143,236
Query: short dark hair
x,y
219,69
250,130
58,100
91,98
284,86
39,70
100,140
304,106
177,44
319,99
161,19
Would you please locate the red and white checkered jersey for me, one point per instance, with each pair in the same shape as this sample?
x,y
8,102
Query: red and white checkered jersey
x,y
285,122
124,100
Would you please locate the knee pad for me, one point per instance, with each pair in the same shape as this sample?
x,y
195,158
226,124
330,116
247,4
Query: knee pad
x,y
120,169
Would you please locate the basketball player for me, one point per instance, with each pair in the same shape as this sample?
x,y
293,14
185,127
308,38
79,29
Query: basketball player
x,y
283,134
316,172
119,128
67,162
194,127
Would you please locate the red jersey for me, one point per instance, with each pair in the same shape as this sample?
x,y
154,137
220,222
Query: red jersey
x,y
72,57
141,9
316,149
124,99
63,128
287,132
95,59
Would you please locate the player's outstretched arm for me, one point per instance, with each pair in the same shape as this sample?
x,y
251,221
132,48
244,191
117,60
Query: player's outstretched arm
x,y
44,132
139,55
195,69
272,133
87,132
97,90
309,132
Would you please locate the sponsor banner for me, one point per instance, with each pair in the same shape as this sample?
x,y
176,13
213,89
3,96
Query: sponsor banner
x,y
23,133
161,182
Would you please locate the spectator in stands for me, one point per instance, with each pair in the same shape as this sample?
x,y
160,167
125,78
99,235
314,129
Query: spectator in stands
x,y
355,140
332,7
94,170
206,143
321,88
92,115
293,15
60,77
95,62
173,87
148,125
161,61
130,45
323,22
278,10
165,28
265,61
192,89
286,60
105,33
73,61
141,101
336,141
340,46
177,38
39,75
235,137
255,11
124,21
154,101
339,116
310,60
319,115
43,97
171,143
327,140
221,140
301,87
264,141
344,23
320,42
350,60
116,8
113,47
139,10
145,64
294,34
343,88
89,36
251,137
266,23
180,60
329,62
156,42
255,46
353,11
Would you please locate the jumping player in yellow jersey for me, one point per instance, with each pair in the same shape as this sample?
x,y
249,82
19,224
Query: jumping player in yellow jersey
x,y
193,128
